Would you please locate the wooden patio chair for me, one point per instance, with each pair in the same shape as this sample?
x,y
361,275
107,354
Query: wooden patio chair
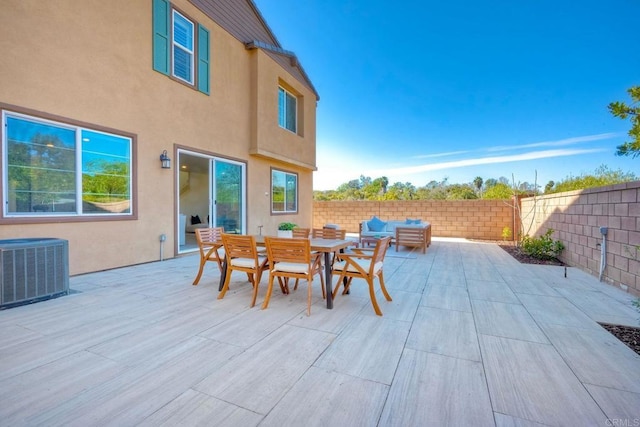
x,y
413,237
363,264
242,255
329,233
301,233
332,234
292,258
210,247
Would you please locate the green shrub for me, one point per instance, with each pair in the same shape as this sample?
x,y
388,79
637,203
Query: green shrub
x,y
543,247
286,226
506,233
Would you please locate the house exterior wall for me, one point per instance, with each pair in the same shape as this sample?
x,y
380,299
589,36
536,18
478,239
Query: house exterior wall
x,y
474,219
274,142
576,217
92,64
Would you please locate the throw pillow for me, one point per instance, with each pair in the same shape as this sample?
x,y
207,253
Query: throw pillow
x,y
413,221
376,224
195,220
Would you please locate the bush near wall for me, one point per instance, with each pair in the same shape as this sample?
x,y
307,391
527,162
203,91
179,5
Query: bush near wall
x,y
472,219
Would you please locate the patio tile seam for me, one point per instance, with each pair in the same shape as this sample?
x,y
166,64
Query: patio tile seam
x,y
539,322
541,326
611,388
447,355
483,366
444,308
566,364
582,383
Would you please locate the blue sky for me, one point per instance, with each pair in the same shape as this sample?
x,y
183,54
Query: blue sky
x,y
426,90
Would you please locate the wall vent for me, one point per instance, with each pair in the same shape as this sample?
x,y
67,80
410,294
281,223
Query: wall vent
x,y
33,269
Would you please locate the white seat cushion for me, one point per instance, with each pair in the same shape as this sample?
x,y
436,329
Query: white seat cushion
x,y
246,262
291,267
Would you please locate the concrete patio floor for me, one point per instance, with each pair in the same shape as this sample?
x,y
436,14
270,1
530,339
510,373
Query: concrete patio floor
x,y
472,337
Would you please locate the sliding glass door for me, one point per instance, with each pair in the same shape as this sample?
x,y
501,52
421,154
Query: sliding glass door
x,y
229,195
211,193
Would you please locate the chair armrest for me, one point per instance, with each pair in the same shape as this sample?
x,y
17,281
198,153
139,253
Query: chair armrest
x,y
356,253
361,250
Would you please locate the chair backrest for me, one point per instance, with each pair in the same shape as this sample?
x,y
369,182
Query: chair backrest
x,y
209,236
329,233
301,233
282,249
239,246
379,252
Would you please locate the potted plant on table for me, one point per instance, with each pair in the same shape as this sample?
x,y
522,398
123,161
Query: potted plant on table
x,y
285,229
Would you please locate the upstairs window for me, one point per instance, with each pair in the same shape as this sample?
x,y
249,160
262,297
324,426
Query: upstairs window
x,y
284,192
180,47
287,110
183,49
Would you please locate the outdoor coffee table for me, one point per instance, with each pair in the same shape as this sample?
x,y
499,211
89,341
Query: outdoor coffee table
x,y
371,240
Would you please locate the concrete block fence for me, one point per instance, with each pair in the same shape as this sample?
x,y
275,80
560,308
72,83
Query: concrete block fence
x,y
576,216
472,219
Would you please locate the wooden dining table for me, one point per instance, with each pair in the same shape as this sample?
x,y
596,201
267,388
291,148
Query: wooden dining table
x,y
326,246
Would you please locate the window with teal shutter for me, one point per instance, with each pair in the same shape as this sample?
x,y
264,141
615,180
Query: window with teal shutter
x,y
182,48
175,51
203,59
161,36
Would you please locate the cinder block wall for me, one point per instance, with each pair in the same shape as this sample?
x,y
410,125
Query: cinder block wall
x,y
577,217
473,219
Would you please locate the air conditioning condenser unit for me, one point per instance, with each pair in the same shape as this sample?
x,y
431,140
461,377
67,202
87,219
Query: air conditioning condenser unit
x,y
33,269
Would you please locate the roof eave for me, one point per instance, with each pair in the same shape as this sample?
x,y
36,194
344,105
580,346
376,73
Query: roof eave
x,y
256,44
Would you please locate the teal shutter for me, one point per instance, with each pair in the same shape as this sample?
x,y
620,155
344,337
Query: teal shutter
x,y
203,59
161,42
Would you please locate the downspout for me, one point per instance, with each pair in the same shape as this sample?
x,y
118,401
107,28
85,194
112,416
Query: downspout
x,y
603,251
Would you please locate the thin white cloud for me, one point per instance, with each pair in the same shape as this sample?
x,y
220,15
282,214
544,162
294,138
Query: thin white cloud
x,y
429,156
332,172
485,161
558,143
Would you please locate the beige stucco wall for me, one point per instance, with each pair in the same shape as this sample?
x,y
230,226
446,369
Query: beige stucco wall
x,y
92,63
274,142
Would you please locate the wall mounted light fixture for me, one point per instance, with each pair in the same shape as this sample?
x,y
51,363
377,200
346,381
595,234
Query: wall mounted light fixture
x,y
166,161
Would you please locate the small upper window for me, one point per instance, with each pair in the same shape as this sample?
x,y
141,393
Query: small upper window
x,y
284,192
287,110
182,48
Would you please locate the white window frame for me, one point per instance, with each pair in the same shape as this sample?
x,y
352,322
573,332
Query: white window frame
x,y
191,52
78,170
286,201
284,97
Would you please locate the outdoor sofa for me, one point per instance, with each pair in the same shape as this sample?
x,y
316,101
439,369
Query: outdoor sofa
x,y
409,232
